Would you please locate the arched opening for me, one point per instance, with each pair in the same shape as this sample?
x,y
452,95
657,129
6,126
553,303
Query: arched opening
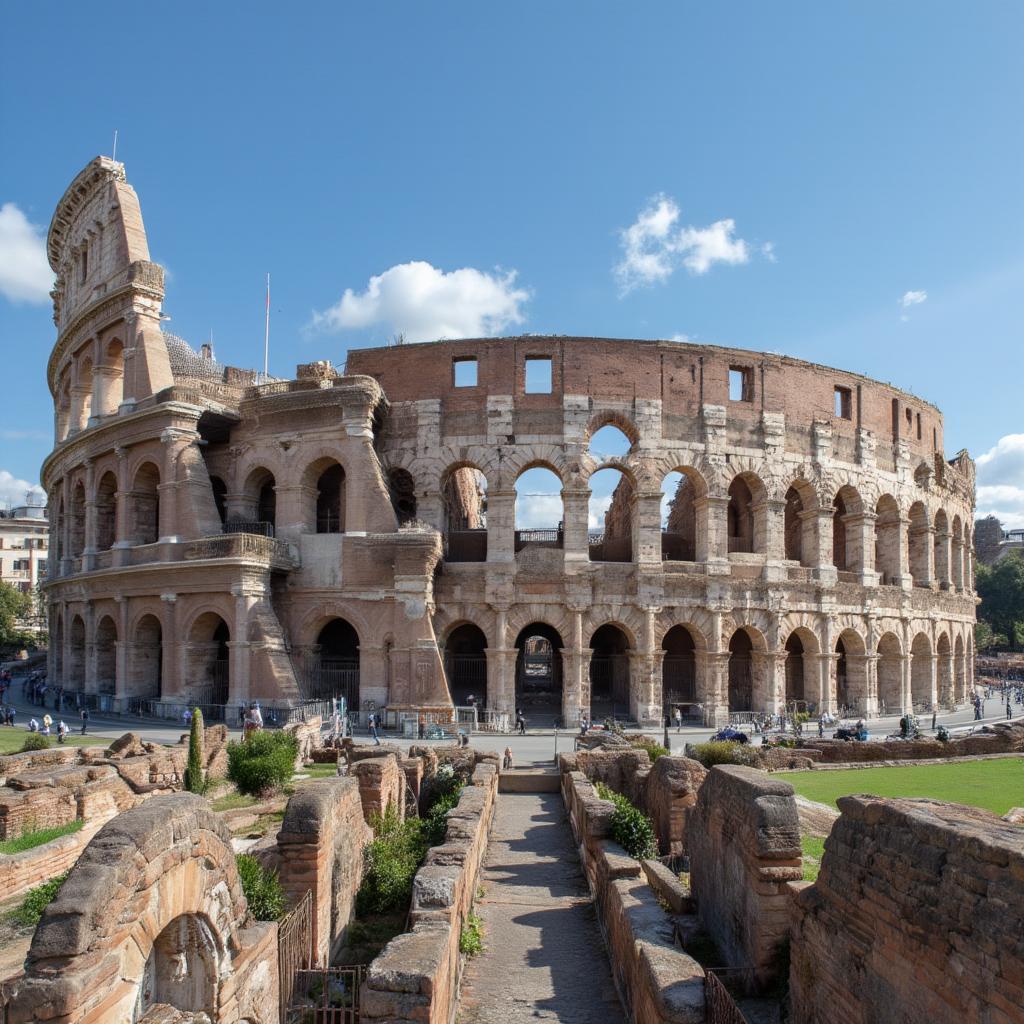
x,y
402,490
330,499
464,494
919,544
890,674
846,545
746,515
220,497
337,664
539,671
609,442
85,392
106,512
680,491
610,516
75,675
258,511
960,670
106,655
209,670
76,524
842,677
940,557
678,670
921,693
145,676
797,691
465,664
852,690
145,505
944,667
888,540
741,671
609,672
957,573
539,517
182,968
113,372
793,525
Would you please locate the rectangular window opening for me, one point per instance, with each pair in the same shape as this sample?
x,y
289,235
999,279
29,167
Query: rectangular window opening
x,y
919,426
844,403
910,419
464,371
741,384
538,375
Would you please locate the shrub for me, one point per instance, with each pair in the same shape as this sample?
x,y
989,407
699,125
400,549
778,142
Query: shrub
x,y
262,888
35,741
630,827
653,748
471,938
435,824
195,778
724,752
263,762
390,863
37,900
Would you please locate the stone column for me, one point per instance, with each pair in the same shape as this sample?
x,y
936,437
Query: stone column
x,y
372,675
173,651
295,512
81,395
866,666
89,550
65,527
122,511
712,517
89,618
769,669
922,537
121,648
943,550
175,442
647,527
824,569
247,595
575,684
576,511
860,545
714,669
501,518
823,671
501,684
103,378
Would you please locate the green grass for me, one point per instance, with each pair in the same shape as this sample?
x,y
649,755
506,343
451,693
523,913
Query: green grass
x,y
994,785
30,840
233,801
12,740
319,771
813,848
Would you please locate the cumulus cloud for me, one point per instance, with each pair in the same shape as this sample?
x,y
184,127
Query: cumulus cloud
x,y
654,246
25,274
597,507
422,303
13,490
909,299
1001,481
538,511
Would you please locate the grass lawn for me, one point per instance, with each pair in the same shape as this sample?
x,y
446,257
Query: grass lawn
x,y
994,785
30,840
12,740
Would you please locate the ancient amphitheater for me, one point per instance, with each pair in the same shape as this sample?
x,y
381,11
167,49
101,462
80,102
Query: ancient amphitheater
x,y
218,536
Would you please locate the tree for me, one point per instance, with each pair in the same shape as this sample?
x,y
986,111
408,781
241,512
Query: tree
x,y
194,779
1001,589
15,607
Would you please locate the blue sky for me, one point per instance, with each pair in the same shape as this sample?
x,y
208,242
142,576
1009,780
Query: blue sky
x,y
795,176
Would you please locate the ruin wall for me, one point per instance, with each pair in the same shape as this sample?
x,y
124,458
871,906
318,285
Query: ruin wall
x,y
916,915
744,842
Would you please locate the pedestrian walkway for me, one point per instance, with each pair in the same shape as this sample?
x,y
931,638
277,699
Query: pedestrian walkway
x,y
544,957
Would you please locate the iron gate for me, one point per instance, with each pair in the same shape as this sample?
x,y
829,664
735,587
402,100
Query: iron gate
x,y
325,995
294,947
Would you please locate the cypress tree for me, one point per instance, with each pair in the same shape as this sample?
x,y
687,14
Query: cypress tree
x,y
194,780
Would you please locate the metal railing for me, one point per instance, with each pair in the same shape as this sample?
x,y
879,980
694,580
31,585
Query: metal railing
x,y
540,538
261,527
294,948
241,545
325,995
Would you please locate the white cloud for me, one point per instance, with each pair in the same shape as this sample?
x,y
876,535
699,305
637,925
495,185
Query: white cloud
x,y
25,274
598,506
538,511
654,246
684,338
423,303
768,252
1001,481
13,490
913,299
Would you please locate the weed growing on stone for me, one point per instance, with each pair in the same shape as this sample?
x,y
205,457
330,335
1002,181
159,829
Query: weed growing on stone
x,y
471,938
30,840
813,848
37,900
262,888
653,748
723,752
630,827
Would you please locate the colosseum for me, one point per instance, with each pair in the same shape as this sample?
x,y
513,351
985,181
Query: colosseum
x,y
781,534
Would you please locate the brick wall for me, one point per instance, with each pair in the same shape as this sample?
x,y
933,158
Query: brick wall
x,y
416,976
916,916
744,840
381,785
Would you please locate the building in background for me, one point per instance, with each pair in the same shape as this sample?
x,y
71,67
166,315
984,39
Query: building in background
x,y
993,543
24,555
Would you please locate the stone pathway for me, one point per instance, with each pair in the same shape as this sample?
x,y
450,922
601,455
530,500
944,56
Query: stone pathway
x,y
544,957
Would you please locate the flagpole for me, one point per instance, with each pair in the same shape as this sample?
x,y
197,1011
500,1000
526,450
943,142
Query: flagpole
x,y
266,335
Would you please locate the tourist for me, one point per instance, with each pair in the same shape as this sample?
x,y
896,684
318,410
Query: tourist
x,y
257,715
520,722
372,721
1009,709
12,711
506,763
33,725
821,726
186,716
678,715
62,731
48,721
85,720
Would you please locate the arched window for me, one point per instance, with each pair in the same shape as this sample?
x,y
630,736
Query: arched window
x,y
539,519
796,689
610,516
741,671
847,543
794,526
921,673
464,494
747,525
678,670
539,673
402,489
330,500
888,540
890,675
609,673
465,664
259,509
209,680
145,505
75,668
106,512
335,671
680,491
145,659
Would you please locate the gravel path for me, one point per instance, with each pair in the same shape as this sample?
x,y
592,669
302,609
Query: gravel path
x,y
544,957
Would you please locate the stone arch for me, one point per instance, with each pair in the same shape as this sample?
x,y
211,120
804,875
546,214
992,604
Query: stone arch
x,y
921,690
923,476
610,534
536,456
890,674
208,658
106,655
747,514
465,663
144,505
402,491
75,668
332,667
259,495
941,549
800,681
464,512
610,418
847,546
145,668
85,390
610,646
889,544
549,531
680,666
944,669
539,669
853,691
745,644
106,511
76,520
919,544
684,515
325,480
799,522
960,669
157,881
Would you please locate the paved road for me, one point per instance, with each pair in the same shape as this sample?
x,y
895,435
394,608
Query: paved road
x,y
544,958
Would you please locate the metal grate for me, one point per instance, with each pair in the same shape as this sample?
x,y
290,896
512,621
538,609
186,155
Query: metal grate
x,y
720,1007
325,995
294,947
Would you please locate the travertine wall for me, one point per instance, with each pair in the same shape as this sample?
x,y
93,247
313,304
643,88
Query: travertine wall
x,y
917,915
658,982
320,847
153,912
416,976
744,841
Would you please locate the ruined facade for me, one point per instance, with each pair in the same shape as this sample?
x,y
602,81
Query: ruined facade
x,y
218,537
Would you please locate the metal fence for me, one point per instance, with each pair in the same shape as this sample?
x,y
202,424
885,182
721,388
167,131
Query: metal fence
x,y
294,947
719,1005
325,995
539,538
